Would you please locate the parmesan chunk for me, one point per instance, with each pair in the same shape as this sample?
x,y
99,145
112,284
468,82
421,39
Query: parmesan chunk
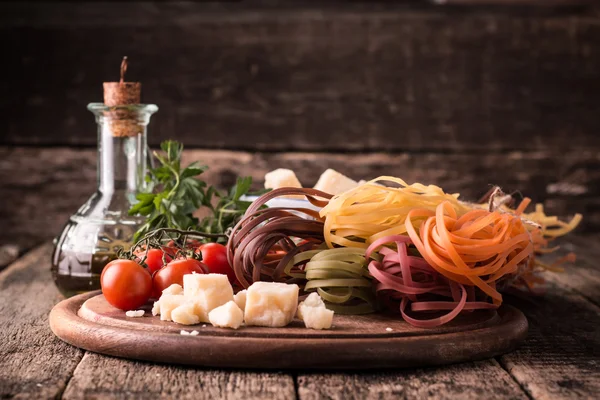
x,y
271,304
240,299
135,314
281,177
169,302
333,182
173,289
185,314
206,292
228,315
156,308
314,313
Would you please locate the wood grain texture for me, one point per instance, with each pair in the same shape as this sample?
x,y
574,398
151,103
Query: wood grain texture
x,y
8,254
464,381
351,77
42,187
33,362
559,359
101,377
359,342
582,276
516,3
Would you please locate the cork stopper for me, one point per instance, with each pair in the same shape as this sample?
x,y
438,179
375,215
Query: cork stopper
x,y
123,122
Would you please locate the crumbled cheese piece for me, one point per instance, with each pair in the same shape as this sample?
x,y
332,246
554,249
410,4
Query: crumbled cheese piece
x,y
240,299
169,302
135,314
194,333
173,289
333,182
207,292
228,315
185,333
270,304
185,314
313,300
389,329
314,313
156,308
204,325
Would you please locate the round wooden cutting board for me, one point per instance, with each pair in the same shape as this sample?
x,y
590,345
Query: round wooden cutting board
x,y
354,342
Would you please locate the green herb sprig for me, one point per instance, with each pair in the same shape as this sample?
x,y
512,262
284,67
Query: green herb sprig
x,y
175,193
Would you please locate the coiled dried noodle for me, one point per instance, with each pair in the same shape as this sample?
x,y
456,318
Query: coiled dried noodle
x,y
371,211
411,280
478,248
340,276
264,241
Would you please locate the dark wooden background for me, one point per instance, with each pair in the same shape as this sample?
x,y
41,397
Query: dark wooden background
x,y
462,96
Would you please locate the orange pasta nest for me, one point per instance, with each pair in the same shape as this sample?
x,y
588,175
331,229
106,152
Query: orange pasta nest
x,y
479,245
476,249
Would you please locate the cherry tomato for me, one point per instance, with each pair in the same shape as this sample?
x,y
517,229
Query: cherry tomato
x,y
126,284
214,255
154,259
174,272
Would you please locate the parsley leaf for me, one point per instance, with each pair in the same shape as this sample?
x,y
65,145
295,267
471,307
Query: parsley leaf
x,y
178,193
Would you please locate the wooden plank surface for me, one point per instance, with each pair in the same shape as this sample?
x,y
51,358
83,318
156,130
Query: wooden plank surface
x,y
33,362
559,359
349,77
464,381
101,377
42,187
582,276
8,254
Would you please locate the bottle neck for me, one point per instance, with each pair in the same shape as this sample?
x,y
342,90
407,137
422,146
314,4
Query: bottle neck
x,y
122,161
122,152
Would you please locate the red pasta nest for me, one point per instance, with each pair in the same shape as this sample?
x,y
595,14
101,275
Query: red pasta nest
x,y
412,281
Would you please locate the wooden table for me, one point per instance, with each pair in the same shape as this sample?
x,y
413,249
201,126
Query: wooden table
x,y
559,359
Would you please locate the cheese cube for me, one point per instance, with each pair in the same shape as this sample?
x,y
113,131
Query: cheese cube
x,y
240,299
313,300
185,314
271,304
169,302
333,182
317,317
314,313
207,292
228,315
173,289
281,177
156,308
